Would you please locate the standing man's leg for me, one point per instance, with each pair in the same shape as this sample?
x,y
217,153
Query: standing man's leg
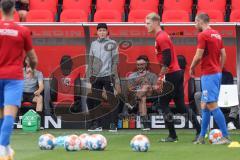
x,y
168,115
168,118
206,114
97,89
12,94
220,120
218,116
112,100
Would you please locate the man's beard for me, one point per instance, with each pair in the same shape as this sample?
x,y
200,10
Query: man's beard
x,y
141,70
200,29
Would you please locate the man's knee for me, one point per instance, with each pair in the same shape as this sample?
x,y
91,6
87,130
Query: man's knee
x,y
168,117
212,105
38,99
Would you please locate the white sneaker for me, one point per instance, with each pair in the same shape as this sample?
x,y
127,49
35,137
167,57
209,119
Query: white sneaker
x,y
113,130
99,129
231,126
3,153
10,152
146,129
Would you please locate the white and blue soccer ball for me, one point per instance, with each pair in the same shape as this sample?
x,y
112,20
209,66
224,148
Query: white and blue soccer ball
x,y
140,143
84,140
59,142
214,136
97,142
46,142
72,143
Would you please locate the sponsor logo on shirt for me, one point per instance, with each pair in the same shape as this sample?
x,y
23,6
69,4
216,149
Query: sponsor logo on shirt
x,y
217,36
8,32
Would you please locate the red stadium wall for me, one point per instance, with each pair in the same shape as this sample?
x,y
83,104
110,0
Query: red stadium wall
x,y
52,42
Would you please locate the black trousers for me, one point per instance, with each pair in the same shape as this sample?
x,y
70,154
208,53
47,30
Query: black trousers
x,y
177,79
97,88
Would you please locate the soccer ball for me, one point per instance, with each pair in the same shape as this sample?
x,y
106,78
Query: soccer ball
x,y
140,143
60,141
97,142
84,140
46,142
214,136
72,143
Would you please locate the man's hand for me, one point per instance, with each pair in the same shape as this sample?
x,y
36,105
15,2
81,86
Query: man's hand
x,y
118,88
37,93
159,85
192,72
92,79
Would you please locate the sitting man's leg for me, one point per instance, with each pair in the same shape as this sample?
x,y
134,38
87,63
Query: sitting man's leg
x,y
232,117
39,107
141,95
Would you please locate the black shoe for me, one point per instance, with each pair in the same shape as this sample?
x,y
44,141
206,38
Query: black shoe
x,y
95,127
200,140
145,126
113,127
169,139
196,138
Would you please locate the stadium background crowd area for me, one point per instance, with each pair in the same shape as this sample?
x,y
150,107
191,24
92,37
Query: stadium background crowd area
x,y
119,11
125,10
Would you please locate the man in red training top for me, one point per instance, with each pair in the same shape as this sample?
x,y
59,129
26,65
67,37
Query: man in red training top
x,y
211,53
171,72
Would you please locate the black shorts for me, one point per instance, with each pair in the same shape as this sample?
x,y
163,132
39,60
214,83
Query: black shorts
x,y
28,97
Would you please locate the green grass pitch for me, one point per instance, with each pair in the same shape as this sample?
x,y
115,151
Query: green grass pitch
x,y
26,148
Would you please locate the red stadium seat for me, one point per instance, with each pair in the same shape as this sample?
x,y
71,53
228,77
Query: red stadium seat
x,y
235,16
108,16
73,16
178,5
110,5
212,4
84,5
15,16
43,4
138,15
175,16
214,15
235,4
27,104
40,16
144,5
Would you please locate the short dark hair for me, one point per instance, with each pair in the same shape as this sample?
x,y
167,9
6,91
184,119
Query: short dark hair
x,y
145,58
102,25
204,17
7,6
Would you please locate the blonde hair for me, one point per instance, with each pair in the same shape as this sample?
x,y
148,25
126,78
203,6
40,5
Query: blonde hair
x,y
153,16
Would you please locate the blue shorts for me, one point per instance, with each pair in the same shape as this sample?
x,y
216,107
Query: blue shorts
x,y
211,87
10,92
